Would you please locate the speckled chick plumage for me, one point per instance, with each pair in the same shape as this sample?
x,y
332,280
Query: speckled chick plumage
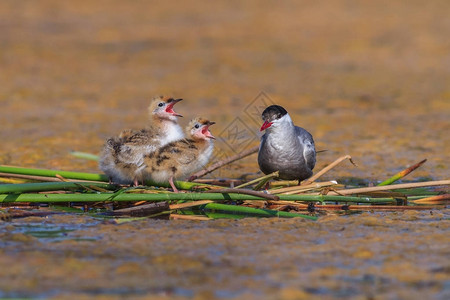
x,y
122,157
285,147
181,158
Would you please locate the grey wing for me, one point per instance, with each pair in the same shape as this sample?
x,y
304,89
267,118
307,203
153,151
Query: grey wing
x,y
262,141
309,149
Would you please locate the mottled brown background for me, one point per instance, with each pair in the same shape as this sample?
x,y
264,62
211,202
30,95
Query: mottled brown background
x,y
367,78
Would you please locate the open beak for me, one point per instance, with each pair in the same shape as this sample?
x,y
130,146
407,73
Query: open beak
x,y
205,130
265,125
170,106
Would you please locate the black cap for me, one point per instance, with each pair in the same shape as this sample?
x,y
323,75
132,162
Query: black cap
x,y
273,112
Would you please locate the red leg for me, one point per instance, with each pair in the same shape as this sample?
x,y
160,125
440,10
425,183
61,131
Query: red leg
x,y
172,184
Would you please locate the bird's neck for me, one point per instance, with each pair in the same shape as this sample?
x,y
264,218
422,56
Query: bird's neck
x,y
284,130
203,145
168,128
205,150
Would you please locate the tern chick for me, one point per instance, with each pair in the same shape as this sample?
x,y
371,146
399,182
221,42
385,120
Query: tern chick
x,y
181,158
122,157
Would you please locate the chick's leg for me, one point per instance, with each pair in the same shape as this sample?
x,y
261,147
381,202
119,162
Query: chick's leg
x,y
172,184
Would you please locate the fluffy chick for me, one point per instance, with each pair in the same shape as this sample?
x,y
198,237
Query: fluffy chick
x,y
181,158
122,157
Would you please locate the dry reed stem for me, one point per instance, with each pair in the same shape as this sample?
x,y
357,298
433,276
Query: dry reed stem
x,y
370,207
189,204
302,188
389,187
283,183
265,177
188,217
327,168
224,162
61,178
440,199
284,202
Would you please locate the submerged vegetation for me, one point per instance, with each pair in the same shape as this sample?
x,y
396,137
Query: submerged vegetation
x,y
26,188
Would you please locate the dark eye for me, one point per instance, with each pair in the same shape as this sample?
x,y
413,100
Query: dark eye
x,y
161,104
197,126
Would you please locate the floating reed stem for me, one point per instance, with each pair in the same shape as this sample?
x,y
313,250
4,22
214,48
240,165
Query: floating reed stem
x,y
253,211
53,173
302,188
183,185
440,199
389,187
189,217
371,207
52,186
245,192
123,196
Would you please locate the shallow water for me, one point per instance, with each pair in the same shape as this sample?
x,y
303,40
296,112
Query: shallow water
x,y
381,255
368,79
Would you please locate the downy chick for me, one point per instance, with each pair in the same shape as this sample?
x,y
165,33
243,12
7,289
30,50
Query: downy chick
x,y
285,147
122,157
181,158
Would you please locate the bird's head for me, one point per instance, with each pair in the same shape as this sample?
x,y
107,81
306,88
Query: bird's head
x,y
198,129
273,116
162,107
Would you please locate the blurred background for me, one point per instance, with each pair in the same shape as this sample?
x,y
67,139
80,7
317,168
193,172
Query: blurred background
x,y
367,78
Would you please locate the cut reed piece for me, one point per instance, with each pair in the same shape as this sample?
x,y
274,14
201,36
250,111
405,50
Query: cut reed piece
x,y
189,217
327,168
236,209
52,186
122,196
389,187
440,199
302,188
264,178
224,162
283,183
402,174
183,185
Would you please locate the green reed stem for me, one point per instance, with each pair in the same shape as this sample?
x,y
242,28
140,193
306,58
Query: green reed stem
x,y
51,186
98,197
402,174
184,185
236,209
